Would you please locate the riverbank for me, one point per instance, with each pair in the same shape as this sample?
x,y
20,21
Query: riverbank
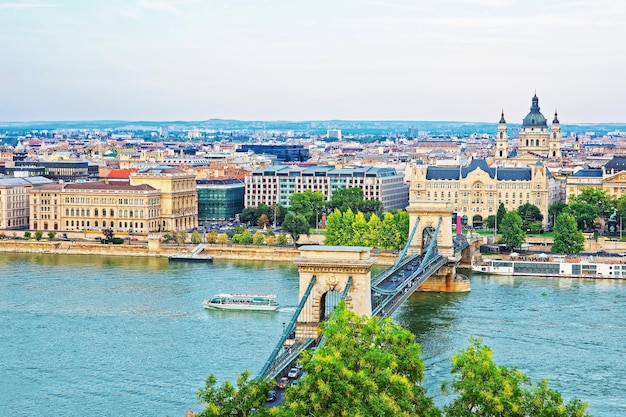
x,y
226,252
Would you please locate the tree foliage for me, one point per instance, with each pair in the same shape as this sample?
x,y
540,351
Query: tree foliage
x,y
500,215
343,229
196,238
597,198
367,367
511,231
486,390
531,216
584,213
231,401
296,225
343,199
309,204
567,238
555,209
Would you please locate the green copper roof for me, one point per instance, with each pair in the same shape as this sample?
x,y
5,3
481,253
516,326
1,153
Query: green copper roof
x,y
534,118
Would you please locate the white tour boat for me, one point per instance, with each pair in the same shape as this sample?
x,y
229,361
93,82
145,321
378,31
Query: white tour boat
x,y
242,302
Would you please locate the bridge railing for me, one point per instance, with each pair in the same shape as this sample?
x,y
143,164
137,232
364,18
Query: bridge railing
x,y
265,372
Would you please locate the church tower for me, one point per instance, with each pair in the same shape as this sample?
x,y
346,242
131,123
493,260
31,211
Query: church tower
x,y
502,140
555,138
534,138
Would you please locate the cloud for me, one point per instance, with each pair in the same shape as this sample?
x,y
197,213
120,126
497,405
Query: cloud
x,y
134,11
25,5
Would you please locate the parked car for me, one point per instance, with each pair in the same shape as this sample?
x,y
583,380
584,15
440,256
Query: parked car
x,y
271,396
293,373
282,382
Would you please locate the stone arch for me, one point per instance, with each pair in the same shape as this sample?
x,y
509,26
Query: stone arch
x,y
429,212
332,267
477,220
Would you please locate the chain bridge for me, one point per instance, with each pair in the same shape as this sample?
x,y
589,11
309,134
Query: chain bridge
x,y
332,273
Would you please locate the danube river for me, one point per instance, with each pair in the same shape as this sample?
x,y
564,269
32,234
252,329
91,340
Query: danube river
x,y
114,336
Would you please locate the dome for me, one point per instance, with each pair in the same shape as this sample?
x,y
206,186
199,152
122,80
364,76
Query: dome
x,y
534,118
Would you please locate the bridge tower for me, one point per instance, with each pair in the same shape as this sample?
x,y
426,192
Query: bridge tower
x,y
429,213
335,268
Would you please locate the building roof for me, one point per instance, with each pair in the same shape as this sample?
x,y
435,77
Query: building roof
x,y
618,163
456,172
588,173
534,118
101,186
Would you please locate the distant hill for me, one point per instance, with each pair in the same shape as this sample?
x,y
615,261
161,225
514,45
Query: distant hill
x,y
348,127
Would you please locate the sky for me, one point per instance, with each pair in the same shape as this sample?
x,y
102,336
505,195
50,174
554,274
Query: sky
x,y
440,60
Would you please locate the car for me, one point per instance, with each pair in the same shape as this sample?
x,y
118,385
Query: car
x,y
293,373
394,278
282,383
271,396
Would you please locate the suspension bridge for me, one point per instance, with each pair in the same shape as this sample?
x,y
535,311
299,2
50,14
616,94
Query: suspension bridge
x,y
332,273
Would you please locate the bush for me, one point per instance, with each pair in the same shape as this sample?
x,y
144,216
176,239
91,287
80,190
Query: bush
x,y
117,240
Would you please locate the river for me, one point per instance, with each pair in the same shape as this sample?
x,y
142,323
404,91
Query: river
x,y
121,336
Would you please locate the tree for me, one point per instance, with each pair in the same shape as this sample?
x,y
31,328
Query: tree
x,y
211,237
263,221
554,210
270,240
244,238
360,230
511,231
402,221
281,239
500,215
484,390
51,234
38,235
308,204
295,225
567,237
389,235
597,198
229,401
373,226
196,238
222,238
530,214
180,237
353,198
490,222
258,239
367,367
248,215
584,213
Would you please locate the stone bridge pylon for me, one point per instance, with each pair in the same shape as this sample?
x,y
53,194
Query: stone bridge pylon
x,y
334,268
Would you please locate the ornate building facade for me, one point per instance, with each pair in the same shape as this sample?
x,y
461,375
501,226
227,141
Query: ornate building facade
x,y
536,140
476,190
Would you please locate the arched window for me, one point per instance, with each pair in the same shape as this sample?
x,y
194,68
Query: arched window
x,y
95,212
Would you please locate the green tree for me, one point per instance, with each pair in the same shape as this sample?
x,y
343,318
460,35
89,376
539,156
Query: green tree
x,y
180,237
511,231
360,230
490,222
222,238
584,213
281,239
38,235
230,401
373,226
335,229
389,235
308,204
244,238
367,367
500,215
597,198
402,221
196,237
567,237
353,199
486,390
296,225
531,215
51,234
248,215
554,210
258,239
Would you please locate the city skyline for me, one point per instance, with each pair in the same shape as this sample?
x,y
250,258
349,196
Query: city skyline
x,y
449,60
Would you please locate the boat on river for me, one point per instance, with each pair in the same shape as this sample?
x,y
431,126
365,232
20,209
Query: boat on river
x,y
254,302
189,258
549,266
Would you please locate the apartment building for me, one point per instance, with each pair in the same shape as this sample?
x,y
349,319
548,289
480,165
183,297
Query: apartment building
x,y
275,184
14,203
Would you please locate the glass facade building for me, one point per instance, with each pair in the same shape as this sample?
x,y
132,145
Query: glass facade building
x,y
219,199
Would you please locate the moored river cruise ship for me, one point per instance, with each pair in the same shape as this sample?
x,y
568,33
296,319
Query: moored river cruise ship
x,y
255,302
551,267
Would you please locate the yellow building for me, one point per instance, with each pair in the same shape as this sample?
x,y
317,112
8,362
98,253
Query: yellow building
x,y
90,207
14,203
179,196
476,190
611,178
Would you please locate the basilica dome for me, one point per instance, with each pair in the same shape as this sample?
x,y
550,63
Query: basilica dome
x,y
534,118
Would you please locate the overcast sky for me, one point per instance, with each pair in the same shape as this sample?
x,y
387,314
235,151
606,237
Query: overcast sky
x,y
454,60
